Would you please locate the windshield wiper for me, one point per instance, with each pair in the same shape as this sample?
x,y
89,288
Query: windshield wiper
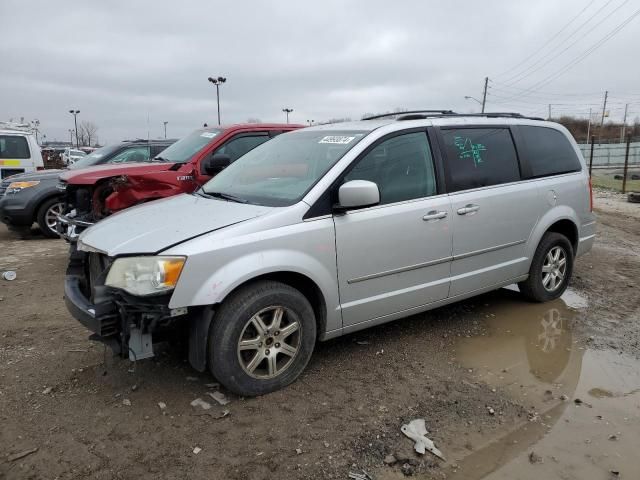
x,y
158,158
224,196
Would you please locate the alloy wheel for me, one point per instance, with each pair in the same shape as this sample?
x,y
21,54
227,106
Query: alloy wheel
x,y
269,342
554,269
51,217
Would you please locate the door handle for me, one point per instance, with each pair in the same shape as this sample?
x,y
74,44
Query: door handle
x,y
434,215
471,208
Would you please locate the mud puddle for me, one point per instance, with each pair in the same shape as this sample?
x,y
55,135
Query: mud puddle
x,y
584,405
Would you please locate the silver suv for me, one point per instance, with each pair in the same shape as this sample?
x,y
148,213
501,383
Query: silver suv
x,y
331,229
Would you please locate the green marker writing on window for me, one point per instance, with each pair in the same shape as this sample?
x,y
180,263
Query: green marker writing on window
x,y
468,149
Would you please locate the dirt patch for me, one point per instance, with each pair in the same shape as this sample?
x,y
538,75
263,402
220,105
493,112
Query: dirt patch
x,y
91,416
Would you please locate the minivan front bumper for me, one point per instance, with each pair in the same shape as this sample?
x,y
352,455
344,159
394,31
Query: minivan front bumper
x,y
123,322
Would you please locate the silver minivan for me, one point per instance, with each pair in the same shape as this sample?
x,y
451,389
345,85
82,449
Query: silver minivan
x,y
331,229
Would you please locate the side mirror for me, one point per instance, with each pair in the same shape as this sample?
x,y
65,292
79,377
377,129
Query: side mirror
x,y
215,164
358,194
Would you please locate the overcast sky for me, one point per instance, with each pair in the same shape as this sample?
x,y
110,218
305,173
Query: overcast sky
x,y
123,62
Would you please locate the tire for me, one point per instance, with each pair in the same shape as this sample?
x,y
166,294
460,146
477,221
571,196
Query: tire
x,y
259,366
545,286
633,197
44,217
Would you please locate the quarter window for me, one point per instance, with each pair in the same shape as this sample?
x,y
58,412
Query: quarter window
x,y
548,152
479,157
401,166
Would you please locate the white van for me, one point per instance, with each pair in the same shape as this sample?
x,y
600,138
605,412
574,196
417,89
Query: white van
x,y
19,151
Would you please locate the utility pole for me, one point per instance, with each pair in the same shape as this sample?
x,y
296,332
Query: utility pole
x,y
589,125
287,111
217,82
71,137
165,129
75,120
484,94
549,117
604,110
624,123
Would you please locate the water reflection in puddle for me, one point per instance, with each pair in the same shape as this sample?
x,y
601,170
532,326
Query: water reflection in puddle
x,y
529,354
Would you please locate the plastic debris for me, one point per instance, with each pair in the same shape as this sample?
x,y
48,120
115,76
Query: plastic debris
x,y
390,459
162,405
197,450
219,397
47,390
18,456
198,402
9,275
360,476
212,385
126,402
491,411
417,431
299,451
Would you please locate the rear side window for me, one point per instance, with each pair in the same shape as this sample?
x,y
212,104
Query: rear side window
x,y
132,155
13,146
238,146
479,157
548,152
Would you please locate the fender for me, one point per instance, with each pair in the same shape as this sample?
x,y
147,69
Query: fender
x,y
240,270
554,215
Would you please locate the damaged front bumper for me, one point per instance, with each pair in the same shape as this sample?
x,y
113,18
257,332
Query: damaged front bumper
x,y
69,227
123,322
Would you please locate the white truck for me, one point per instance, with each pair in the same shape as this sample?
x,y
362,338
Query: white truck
x,y
19,150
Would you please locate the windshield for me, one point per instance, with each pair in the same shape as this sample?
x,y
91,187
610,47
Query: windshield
x,y
184,149
281,171
95,157
77,153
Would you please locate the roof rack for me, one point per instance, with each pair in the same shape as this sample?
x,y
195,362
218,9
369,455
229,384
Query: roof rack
x,y
411,112
495,115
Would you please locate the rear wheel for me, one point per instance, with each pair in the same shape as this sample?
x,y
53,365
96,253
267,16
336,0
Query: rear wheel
x,y
550,270
262,338
47,217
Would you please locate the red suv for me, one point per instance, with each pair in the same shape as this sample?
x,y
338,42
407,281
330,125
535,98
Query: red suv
x,y
96,192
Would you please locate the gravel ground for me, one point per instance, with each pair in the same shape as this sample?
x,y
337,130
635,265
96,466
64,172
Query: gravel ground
x,y
92,416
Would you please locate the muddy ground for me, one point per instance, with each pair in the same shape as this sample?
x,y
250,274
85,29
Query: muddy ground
x,y
508,389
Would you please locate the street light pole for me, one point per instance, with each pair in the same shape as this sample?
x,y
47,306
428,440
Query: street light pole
x,y
287,111
468,97
165,129
217,82
71,137
75,120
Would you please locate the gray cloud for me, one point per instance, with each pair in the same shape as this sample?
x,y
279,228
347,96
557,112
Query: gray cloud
x,y
121,62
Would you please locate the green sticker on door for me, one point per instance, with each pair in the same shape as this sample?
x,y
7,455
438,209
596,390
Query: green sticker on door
x,y
468,149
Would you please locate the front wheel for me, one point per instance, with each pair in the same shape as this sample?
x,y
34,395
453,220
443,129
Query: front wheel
x,y
550,270
47,217
262,338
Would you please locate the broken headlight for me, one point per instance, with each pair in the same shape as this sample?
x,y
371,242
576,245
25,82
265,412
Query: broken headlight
x,y
145,275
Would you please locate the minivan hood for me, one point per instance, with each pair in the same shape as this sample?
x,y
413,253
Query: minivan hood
x,y
156,226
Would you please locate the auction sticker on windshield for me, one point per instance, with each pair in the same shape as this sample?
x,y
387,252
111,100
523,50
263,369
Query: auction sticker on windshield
x,y
208,134
337,139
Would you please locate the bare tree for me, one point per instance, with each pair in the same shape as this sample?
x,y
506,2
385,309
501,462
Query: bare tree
x,y
253,120
87,132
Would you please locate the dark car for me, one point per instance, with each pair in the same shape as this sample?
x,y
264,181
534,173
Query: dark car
x,y
31,198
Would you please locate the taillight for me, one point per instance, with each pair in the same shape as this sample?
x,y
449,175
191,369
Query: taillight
x,y
590,196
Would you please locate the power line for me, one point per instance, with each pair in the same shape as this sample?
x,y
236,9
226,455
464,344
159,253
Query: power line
x,y
583,55
530,70
548,41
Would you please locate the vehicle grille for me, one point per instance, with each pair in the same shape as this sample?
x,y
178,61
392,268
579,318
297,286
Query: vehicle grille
x,y
97,265
3,187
